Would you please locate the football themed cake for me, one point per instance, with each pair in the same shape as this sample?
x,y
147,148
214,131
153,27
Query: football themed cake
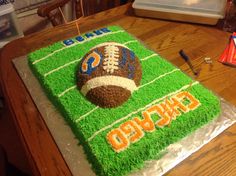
x,y
124,103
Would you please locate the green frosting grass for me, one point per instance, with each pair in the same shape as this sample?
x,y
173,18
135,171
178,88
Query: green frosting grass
x,y
73,106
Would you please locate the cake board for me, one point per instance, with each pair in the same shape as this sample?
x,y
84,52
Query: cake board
x,y
73,153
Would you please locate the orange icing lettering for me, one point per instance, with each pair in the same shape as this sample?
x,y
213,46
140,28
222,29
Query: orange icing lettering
x,y
117,140
165,118
147,123
174,105
132,130
194,103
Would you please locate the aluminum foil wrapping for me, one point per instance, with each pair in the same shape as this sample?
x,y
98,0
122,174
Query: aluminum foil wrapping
x,y
74,155
178,151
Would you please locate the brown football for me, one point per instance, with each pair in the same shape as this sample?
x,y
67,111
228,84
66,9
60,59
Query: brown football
x,y
108,74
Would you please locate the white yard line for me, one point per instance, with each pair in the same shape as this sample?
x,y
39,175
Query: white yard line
x,y
71,88
61,67
146,58
161,76
74,87
67,90
131,41
72,62
157,78
83,116
134,112
61,49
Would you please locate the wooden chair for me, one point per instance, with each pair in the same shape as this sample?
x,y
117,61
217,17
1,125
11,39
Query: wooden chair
x,y
53,10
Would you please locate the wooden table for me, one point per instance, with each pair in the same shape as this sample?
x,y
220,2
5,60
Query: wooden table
x,y
167,38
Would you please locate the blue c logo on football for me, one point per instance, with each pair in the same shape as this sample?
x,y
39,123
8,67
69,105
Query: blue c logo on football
x,y
90,63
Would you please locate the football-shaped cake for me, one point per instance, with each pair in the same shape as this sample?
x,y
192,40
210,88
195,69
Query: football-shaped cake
x,y
108,74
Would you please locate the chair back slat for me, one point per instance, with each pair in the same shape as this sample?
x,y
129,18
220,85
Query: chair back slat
x,y
89,7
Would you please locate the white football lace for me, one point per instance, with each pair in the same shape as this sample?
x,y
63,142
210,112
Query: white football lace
x,y
111,60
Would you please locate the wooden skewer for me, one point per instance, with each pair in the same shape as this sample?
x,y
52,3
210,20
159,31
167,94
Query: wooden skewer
x,y
77,26
63,16
80,19
76,21
82,7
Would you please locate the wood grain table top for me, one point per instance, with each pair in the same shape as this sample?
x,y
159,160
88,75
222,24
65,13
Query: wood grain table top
x,y
216,158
